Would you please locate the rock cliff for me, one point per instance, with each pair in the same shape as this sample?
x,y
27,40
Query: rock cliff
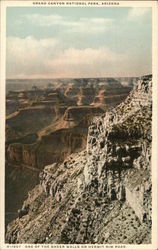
x,y
41,129
102,194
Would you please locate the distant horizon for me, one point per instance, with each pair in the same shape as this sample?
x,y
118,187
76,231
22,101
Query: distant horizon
x,y
78,77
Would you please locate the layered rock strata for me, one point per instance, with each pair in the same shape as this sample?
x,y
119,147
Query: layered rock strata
x,y
103,194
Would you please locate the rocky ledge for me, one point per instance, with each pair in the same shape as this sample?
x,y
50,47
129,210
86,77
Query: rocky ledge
x,y
103,194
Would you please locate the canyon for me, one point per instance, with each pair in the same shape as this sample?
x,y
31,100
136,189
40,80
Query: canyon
x,y
47,120
96,179
43,116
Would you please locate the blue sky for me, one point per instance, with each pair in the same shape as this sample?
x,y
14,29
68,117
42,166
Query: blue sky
x,y
78,42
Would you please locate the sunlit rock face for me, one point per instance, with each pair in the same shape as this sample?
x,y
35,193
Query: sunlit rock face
x,y
102,194
119,151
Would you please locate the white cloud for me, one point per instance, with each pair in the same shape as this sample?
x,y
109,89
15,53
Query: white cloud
x,y
137,12
29,55
32,58
86,62
85,25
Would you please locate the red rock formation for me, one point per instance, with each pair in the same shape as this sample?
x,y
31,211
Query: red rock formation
x,y
85,96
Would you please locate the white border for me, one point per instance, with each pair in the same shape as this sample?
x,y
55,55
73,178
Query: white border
x,y
27,3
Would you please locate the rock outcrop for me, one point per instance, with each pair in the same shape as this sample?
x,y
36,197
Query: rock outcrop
x,y
119,151
75,115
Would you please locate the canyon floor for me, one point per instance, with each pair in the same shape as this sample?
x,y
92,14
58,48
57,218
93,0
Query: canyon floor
x,y
78,162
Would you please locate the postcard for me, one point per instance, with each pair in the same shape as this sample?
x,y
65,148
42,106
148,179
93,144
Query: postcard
x,y
78,124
